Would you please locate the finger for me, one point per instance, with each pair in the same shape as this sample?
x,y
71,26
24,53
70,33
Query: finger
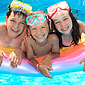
x,y
83,60
1,59
48,75
49,68
3,53
15,59
20,61
11,56
13,65
17,62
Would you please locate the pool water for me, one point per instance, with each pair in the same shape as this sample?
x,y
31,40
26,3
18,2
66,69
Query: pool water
x,y
73,78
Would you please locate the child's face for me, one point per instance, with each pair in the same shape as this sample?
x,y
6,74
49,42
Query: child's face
x,y
39,30
62,21
15,25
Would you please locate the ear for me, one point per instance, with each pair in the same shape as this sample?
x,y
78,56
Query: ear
x,y
6,19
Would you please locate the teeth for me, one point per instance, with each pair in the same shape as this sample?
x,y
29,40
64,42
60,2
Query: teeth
x,y
40,36
64,29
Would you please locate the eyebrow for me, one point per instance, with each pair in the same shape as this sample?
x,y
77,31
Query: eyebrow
x,y
55,19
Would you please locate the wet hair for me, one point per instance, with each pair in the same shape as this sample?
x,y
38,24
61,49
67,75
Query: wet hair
x,y
75,31
47,19
15,12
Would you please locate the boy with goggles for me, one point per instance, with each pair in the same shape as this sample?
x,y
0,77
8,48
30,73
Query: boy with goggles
x,y
14,29
40,46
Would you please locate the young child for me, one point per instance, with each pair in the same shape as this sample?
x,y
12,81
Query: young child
x,y
66,27
40,46
14,28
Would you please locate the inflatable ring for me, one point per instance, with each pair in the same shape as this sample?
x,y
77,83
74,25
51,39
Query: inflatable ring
x,y
69,61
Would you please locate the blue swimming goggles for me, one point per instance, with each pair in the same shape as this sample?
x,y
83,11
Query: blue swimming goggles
x,y
39,16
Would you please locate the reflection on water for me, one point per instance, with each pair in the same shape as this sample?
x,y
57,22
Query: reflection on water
x,y
74,78
77,78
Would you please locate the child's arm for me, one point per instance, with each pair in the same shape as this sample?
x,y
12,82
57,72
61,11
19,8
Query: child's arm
x,y
30,55
27,47
55,52
81,26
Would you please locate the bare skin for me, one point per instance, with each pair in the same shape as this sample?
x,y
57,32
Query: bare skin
x,y
40,43
63,23
82,26
50,49
12,32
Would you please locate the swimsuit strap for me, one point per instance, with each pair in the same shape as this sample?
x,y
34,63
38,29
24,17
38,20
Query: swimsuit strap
x,y
6,49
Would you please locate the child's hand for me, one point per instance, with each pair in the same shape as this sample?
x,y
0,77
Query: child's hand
x,y
45,70
16,58
83,60
47,61
2,53
1,59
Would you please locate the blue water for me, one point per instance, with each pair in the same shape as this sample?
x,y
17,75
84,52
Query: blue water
x,y
74,78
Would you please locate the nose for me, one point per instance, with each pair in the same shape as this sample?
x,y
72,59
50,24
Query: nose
x,y
39,32
62,23
16,25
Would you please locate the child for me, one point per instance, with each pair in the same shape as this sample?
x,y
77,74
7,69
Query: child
x,y
67,28
14,28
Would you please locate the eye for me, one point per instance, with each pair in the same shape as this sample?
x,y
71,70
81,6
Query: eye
x,y
33,28
42,27
65,18
22,22
12,20
56,22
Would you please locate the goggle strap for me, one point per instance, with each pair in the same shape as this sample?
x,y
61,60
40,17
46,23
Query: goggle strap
x,y
60,9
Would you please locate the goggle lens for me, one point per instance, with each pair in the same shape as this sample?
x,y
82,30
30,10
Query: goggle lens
x,y
53,9
39,16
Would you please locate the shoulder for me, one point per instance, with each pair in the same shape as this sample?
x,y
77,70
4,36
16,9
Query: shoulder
x,y
53,37
3,26
81,26
28,39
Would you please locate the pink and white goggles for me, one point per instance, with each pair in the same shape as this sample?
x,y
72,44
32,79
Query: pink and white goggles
x,y
54,8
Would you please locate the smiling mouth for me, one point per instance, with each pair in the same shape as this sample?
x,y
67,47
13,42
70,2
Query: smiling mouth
x,y
15,31
64,29
39,37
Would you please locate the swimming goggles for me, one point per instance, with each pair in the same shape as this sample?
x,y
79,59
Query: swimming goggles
x,y
19,6
60,6
39,16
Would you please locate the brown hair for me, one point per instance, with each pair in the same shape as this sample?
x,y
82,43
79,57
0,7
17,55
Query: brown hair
x,y
75,32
